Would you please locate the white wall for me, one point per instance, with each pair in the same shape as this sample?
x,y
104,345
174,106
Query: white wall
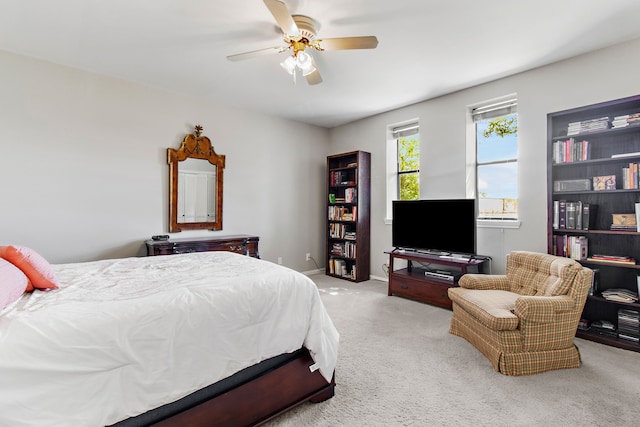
x,y
603,75
84,171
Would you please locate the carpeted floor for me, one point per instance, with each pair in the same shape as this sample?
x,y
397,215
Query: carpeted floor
x,y
399,366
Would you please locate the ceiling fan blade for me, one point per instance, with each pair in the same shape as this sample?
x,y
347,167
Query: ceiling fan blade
x,y
340,43
254,53
314,77
283,17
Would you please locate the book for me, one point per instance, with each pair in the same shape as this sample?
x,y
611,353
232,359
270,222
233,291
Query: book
x,y
623,222
605,182
562,209
595,278
620,295
571,215
588,215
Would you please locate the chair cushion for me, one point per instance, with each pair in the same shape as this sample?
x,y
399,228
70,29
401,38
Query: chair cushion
x,y
492,308
531,273
563,272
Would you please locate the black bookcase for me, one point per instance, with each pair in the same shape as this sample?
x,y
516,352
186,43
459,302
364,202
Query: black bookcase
x,y
348,222
612,146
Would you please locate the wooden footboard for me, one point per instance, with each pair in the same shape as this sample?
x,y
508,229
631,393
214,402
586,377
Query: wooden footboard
x,y
260,399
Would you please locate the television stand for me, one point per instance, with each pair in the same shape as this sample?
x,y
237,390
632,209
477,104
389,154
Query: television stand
x,y
412,282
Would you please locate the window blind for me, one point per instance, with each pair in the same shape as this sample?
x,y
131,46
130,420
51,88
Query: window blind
x,y
497,109
405,130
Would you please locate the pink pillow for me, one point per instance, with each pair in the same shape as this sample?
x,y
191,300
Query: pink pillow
x,y
13,283
32,264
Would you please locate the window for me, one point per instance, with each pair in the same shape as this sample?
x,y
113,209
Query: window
x,y
496,141
403,163
409,167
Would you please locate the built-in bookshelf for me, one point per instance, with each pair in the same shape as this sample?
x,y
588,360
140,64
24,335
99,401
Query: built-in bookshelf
x,y
348,223
593,154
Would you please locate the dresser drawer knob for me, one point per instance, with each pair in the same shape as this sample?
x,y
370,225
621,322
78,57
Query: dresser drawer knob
x,y
404,286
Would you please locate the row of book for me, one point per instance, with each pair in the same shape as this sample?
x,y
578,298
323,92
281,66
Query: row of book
x,y
626,120
342,178
339,267
570,151
572,215
347,249
341,231
342,213
629,325
575,247
586,126
603,123
630,176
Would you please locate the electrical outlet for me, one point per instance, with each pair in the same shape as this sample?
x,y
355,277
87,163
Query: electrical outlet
x,y
308,257
280,260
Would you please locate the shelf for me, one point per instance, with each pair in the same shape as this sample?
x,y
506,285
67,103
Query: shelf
x,y
632,305
605,339
609,264
611,132
606,160
607,232
602,192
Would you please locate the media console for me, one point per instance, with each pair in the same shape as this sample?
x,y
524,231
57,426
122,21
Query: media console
x,y
427,277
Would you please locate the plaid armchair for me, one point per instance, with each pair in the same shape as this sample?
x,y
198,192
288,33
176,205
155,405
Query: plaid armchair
x,y
524,322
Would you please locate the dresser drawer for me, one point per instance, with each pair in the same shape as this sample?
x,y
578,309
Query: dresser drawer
x,y
425,290
245,245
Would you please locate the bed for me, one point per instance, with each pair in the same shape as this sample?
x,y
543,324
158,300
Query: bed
x,y
207,338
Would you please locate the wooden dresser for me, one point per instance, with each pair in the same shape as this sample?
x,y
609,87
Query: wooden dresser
x,y
239,243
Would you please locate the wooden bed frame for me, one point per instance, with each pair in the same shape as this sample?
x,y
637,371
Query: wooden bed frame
x,y
259,399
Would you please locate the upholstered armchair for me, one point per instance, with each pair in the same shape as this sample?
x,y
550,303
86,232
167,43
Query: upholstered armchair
x,y
525,321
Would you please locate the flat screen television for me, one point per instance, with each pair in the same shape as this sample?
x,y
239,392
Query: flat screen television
x,y
443,227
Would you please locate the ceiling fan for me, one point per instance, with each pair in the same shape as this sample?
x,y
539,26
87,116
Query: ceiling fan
x,y
299,34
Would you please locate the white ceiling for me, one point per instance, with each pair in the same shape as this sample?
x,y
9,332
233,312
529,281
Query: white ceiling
x,y
426,48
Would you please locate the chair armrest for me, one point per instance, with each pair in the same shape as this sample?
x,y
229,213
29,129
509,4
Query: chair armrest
x,y
484,281
543,309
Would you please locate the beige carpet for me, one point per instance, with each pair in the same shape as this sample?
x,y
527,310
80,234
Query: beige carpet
x,y
399,366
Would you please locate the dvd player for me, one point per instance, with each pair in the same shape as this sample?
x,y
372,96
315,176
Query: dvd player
x,y
441,274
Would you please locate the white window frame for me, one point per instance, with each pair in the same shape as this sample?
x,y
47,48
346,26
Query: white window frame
x,y
394,132
499,107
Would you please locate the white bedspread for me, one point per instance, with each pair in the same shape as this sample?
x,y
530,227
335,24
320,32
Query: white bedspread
x,y
123,336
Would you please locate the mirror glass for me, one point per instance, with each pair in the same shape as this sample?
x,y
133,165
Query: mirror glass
x,y
196,179
196,191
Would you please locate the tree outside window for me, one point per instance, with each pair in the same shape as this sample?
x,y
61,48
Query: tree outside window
x,y
497,167
409,167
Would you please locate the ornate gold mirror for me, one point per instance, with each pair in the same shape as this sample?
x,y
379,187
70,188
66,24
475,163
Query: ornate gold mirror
x,y
195,184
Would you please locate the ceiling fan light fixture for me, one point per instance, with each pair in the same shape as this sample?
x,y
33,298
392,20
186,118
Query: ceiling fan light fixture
x,y
303,60
308,68
289,64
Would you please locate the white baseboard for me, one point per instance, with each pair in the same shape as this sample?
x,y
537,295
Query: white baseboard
x,y
322,271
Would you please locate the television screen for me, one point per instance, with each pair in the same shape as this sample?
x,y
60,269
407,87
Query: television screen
x,y
446,226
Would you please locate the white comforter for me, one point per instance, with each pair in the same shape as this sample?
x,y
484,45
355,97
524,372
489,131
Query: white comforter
x,y
123,336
